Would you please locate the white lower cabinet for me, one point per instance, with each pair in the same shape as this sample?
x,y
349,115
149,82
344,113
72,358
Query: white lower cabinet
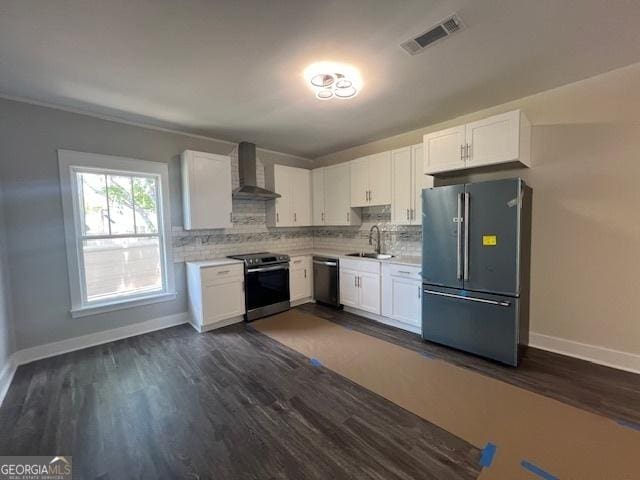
x,y
216,295
360,285
300,279
402,294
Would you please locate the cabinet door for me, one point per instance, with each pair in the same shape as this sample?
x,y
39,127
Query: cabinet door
x,y
300,278
359,173
380,179
206,182
300,179
406,300
369,292
420,181
337,200
401,204
222,301
444,150
317,187
494,139
282,185
348,288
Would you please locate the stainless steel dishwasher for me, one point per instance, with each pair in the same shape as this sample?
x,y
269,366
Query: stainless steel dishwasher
x,y
326,281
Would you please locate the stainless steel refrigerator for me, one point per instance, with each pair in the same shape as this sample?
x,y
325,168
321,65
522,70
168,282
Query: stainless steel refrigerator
x,y
475,267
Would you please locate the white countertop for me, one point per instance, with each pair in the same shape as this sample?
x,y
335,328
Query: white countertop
x,y
415,261
411,260
215,262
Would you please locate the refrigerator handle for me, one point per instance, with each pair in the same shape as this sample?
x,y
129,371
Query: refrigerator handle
x,y
459,239
467,201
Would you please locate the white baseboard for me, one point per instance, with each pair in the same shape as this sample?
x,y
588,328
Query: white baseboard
x,y
32,354
216,325
385,320
301,301
592,353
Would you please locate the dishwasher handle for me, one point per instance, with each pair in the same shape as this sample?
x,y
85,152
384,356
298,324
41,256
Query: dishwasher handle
x,y
328,264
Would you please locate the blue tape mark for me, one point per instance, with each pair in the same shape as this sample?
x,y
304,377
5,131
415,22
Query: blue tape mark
x,y
315,362
427,355
632,425
488,452
537,470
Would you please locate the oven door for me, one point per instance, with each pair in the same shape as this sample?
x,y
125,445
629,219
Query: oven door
x,y
267,290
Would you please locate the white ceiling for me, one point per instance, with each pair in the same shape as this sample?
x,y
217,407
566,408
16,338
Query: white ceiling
x,y
233,69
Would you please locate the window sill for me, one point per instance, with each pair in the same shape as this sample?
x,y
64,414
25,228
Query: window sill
x,y
121,304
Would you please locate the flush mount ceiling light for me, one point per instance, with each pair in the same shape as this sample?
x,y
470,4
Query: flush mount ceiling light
x,y
333,80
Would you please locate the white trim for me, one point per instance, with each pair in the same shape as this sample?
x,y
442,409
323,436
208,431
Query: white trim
x,y
148,126
69,161
122,304
301,301
629,362
385,320
215,325
47,350
6,376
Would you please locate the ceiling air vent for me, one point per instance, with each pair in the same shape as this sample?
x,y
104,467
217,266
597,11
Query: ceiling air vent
x,y
436,33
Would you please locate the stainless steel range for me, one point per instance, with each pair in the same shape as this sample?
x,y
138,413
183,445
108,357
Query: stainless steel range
x,y
266,284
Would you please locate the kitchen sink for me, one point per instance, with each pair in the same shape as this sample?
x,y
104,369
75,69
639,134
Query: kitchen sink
x,y
377,256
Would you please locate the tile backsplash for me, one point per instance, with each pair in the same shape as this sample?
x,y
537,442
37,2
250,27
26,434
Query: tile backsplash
x,y
395,239
250,233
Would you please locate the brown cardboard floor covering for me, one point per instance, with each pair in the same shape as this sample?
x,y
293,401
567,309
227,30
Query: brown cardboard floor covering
x,y
564,441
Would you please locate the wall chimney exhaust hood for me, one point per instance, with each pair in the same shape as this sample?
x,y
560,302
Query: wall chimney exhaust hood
x,y
247,166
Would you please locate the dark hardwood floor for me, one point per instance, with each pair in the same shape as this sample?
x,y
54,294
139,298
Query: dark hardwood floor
x,y
598,389
236,404
226,404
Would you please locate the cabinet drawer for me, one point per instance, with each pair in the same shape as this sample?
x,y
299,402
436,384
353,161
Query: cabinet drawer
x,y
367,266
404,271
221,274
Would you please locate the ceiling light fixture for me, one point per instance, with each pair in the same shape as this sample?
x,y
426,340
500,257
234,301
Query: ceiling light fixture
x,y
333,80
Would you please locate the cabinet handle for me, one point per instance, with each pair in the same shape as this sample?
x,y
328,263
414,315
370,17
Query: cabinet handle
x,y
347,216
277,217
355,281
297,261
405,272
462,147
468,151
305,273
222,272
419,292
407,214
231,217
295,217
413,214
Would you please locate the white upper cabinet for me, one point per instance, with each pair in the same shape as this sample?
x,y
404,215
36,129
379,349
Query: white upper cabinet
x,y
359,172
317,194
498,139
371,180
206,190
444,150
293,208
408,180
337,198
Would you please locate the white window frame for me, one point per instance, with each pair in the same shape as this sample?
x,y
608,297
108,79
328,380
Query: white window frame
x,y
71,162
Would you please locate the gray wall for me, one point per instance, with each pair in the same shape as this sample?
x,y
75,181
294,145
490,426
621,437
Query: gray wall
x,y
29,138
6,330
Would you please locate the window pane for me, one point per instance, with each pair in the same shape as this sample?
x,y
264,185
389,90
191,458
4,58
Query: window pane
x,y
93,203
120,204
145,196
121,266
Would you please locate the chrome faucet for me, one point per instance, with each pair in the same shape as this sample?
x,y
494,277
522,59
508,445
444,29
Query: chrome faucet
x,y
377,240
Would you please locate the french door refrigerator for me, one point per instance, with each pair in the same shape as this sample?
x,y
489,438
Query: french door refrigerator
x,y
475,267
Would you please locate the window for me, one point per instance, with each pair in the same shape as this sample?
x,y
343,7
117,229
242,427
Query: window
x,y
116,222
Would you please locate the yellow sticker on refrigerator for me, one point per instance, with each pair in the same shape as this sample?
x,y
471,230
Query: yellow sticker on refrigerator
x,y
489,240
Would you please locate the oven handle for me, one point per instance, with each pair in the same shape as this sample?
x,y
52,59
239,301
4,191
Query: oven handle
x,y
268,269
